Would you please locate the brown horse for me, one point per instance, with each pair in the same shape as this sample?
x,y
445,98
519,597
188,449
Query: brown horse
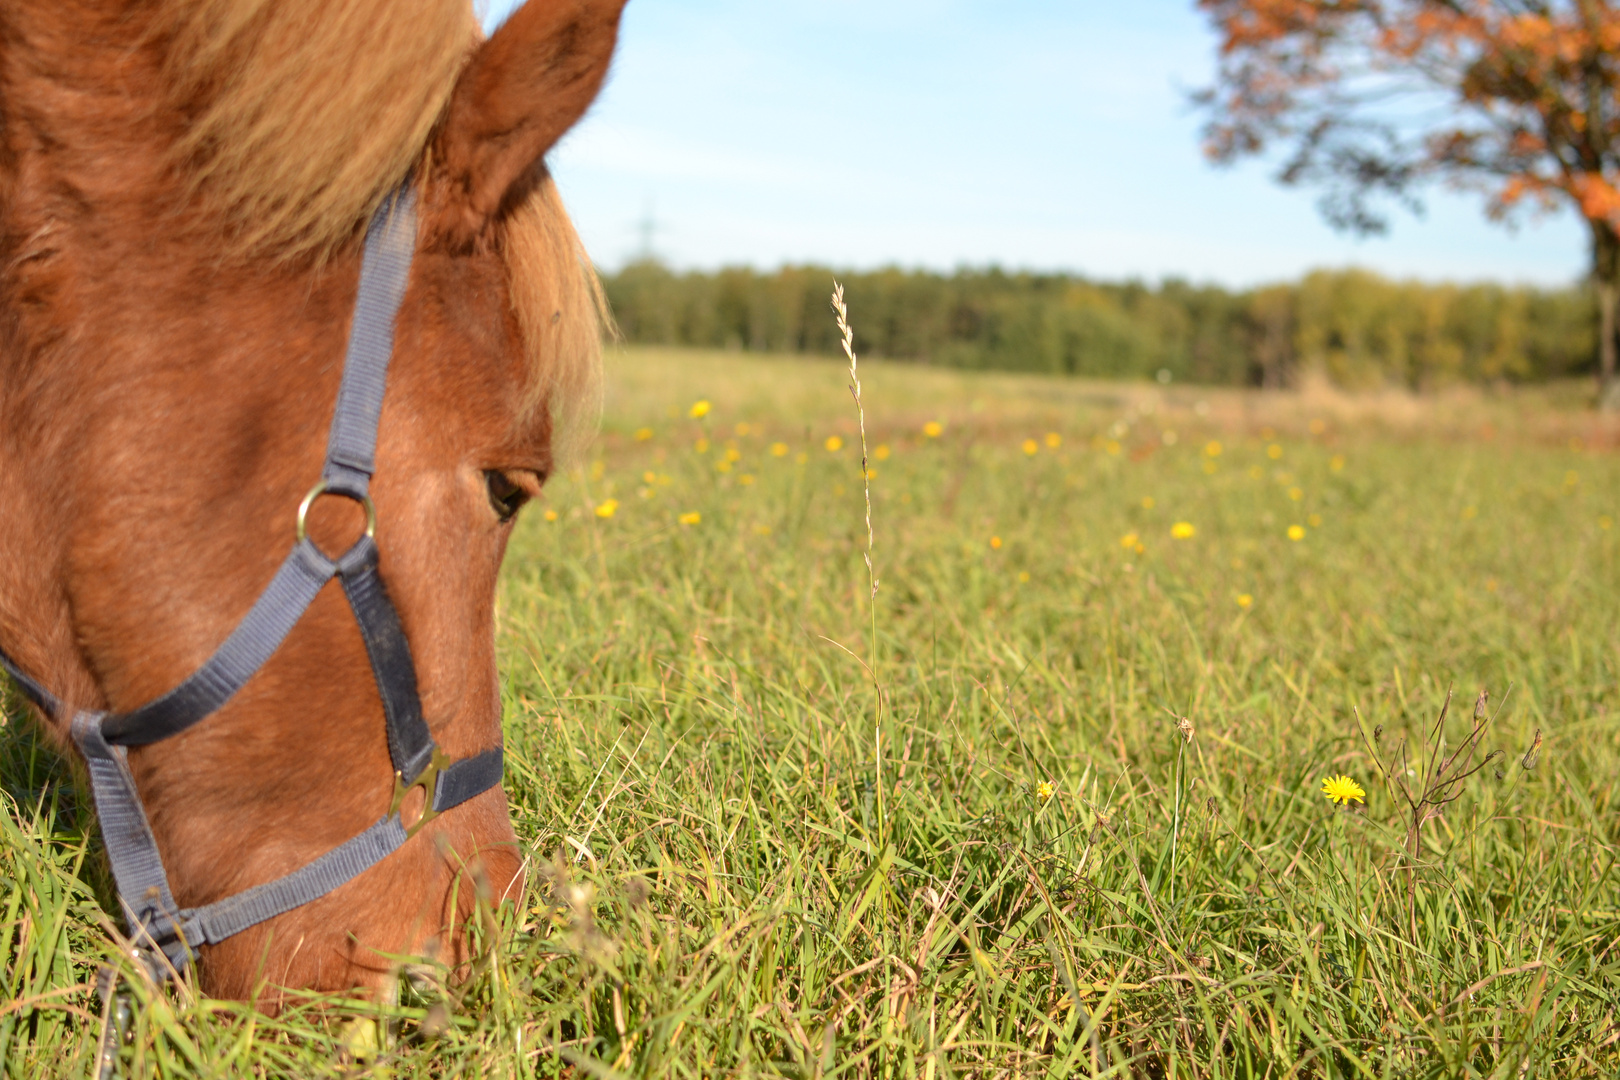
x,y
184,188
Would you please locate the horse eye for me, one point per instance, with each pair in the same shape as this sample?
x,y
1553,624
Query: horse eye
x,y
506,497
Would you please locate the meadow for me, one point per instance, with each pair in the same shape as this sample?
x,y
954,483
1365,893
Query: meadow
x,y
1050,805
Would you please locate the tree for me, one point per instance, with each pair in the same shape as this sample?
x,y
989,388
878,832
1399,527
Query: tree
x,y
1375,99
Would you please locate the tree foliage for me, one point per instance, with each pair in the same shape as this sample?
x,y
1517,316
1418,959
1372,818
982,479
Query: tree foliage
x,y
1372,99
1354,327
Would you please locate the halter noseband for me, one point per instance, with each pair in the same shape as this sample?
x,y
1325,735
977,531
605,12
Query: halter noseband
x,y
156,923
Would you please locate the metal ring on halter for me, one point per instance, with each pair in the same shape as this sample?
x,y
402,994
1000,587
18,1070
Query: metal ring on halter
x,y
323,488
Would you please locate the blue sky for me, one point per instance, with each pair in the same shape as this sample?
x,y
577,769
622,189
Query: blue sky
x,y
1047,134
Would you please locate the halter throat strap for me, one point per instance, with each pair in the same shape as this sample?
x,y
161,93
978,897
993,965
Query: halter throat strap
x,y
164,934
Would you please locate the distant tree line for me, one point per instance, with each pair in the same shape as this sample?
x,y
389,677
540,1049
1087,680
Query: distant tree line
x,y
1356,328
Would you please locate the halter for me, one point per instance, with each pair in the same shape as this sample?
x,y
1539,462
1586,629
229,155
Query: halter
x,y
156,923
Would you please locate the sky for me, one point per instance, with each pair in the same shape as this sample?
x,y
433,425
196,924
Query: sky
x,y
1029,134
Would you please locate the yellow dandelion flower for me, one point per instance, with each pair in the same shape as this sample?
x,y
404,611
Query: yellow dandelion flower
x,y
607,508
933,429
1053,440
779,449
722,466
995,542
743,429
643,434
1273,451
701,446
882,452
1023,577
1314,521
1183,530
1470,513
1212,449
1128,540
1031,447
1295,494
871,474
833,444
1112,446
551,515
1341,789
649,478
691,517
745,479
1147,502
1045,790
1336,463
1245,601
733,454
1296,533
699,409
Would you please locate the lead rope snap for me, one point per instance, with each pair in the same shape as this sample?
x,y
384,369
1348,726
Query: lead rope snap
x,y
115,1013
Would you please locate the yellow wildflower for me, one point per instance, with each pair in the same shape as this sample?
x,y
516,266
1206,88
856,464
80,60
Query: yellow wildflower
x,y
1031,447
933,429
699,409
834,444
1296,533
1053,440
643,434
1273,451
882,452
607,508
1128,540
1147,502
745,479
1336,463
1045,790
995,542
551,515
1244,601
1314,521
1183,530
701,446
691,517
779,449
1341,789
1212,449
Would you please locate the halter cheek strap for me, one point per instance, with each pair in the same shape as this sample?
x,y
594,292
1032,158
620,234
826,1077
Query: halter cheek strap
x,y
156,923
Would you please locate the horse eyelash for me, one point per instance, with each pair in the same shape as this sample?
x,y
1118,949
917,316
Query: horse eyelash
x,y
505,497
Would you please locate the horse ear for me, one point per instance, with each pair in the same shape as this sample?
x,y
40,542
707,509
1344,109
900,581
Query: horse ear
x,y
522,90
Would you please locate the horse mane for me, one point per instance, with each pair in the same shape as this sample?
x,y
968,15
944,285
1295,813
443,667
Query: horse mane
x,y
300,117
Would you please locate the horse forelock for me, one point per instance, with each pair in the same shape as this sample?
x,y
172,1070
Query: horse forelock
x,y
303,114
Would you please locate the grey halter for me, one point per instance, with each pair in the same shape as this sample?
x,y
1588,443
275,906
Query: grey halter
x,y
155,922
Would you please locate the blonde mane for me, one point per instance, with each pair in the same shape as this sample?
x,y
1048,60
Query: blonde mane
x,y
301,115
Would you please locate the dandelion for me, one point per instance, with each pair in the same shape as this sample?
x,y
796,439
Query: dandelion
x,y
743,429
701,446
1296,533
1053,440
1112,447
779,449
699,409
722,466
1273,451
1245,601
933,429
882,452
643,434
833,444
1470,513
745,479
1023,577
1341,789
1129,540
1031,447
1212,449
1314,521
1147,502
649,478
1183,530
733,454
995,542
1336,463
1045,790
551,515
691,517
607,508
1295,494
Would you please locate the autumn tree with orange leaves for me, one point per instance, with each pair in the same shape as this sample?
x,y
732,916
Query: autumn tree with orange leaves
x,y
1375,99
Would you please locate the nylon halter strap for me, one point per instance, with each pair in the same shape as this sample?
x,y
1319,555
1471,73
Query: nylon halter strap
x,y
156,923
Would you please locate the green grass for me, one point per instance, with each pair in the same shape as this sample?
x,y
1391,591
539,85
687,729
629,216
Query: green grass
x,y
692,753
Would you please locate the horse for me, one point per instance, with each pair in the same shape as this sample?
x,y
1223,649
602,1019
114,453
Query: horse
x,y
189,193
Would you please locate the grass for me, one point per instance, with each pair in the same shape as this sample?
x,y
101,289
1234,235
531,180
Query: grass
x,y
1099,847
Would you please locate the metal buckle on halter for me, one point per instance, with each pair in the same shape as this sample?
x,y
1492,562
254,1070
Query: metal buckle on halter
x,y
428,781
323,487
